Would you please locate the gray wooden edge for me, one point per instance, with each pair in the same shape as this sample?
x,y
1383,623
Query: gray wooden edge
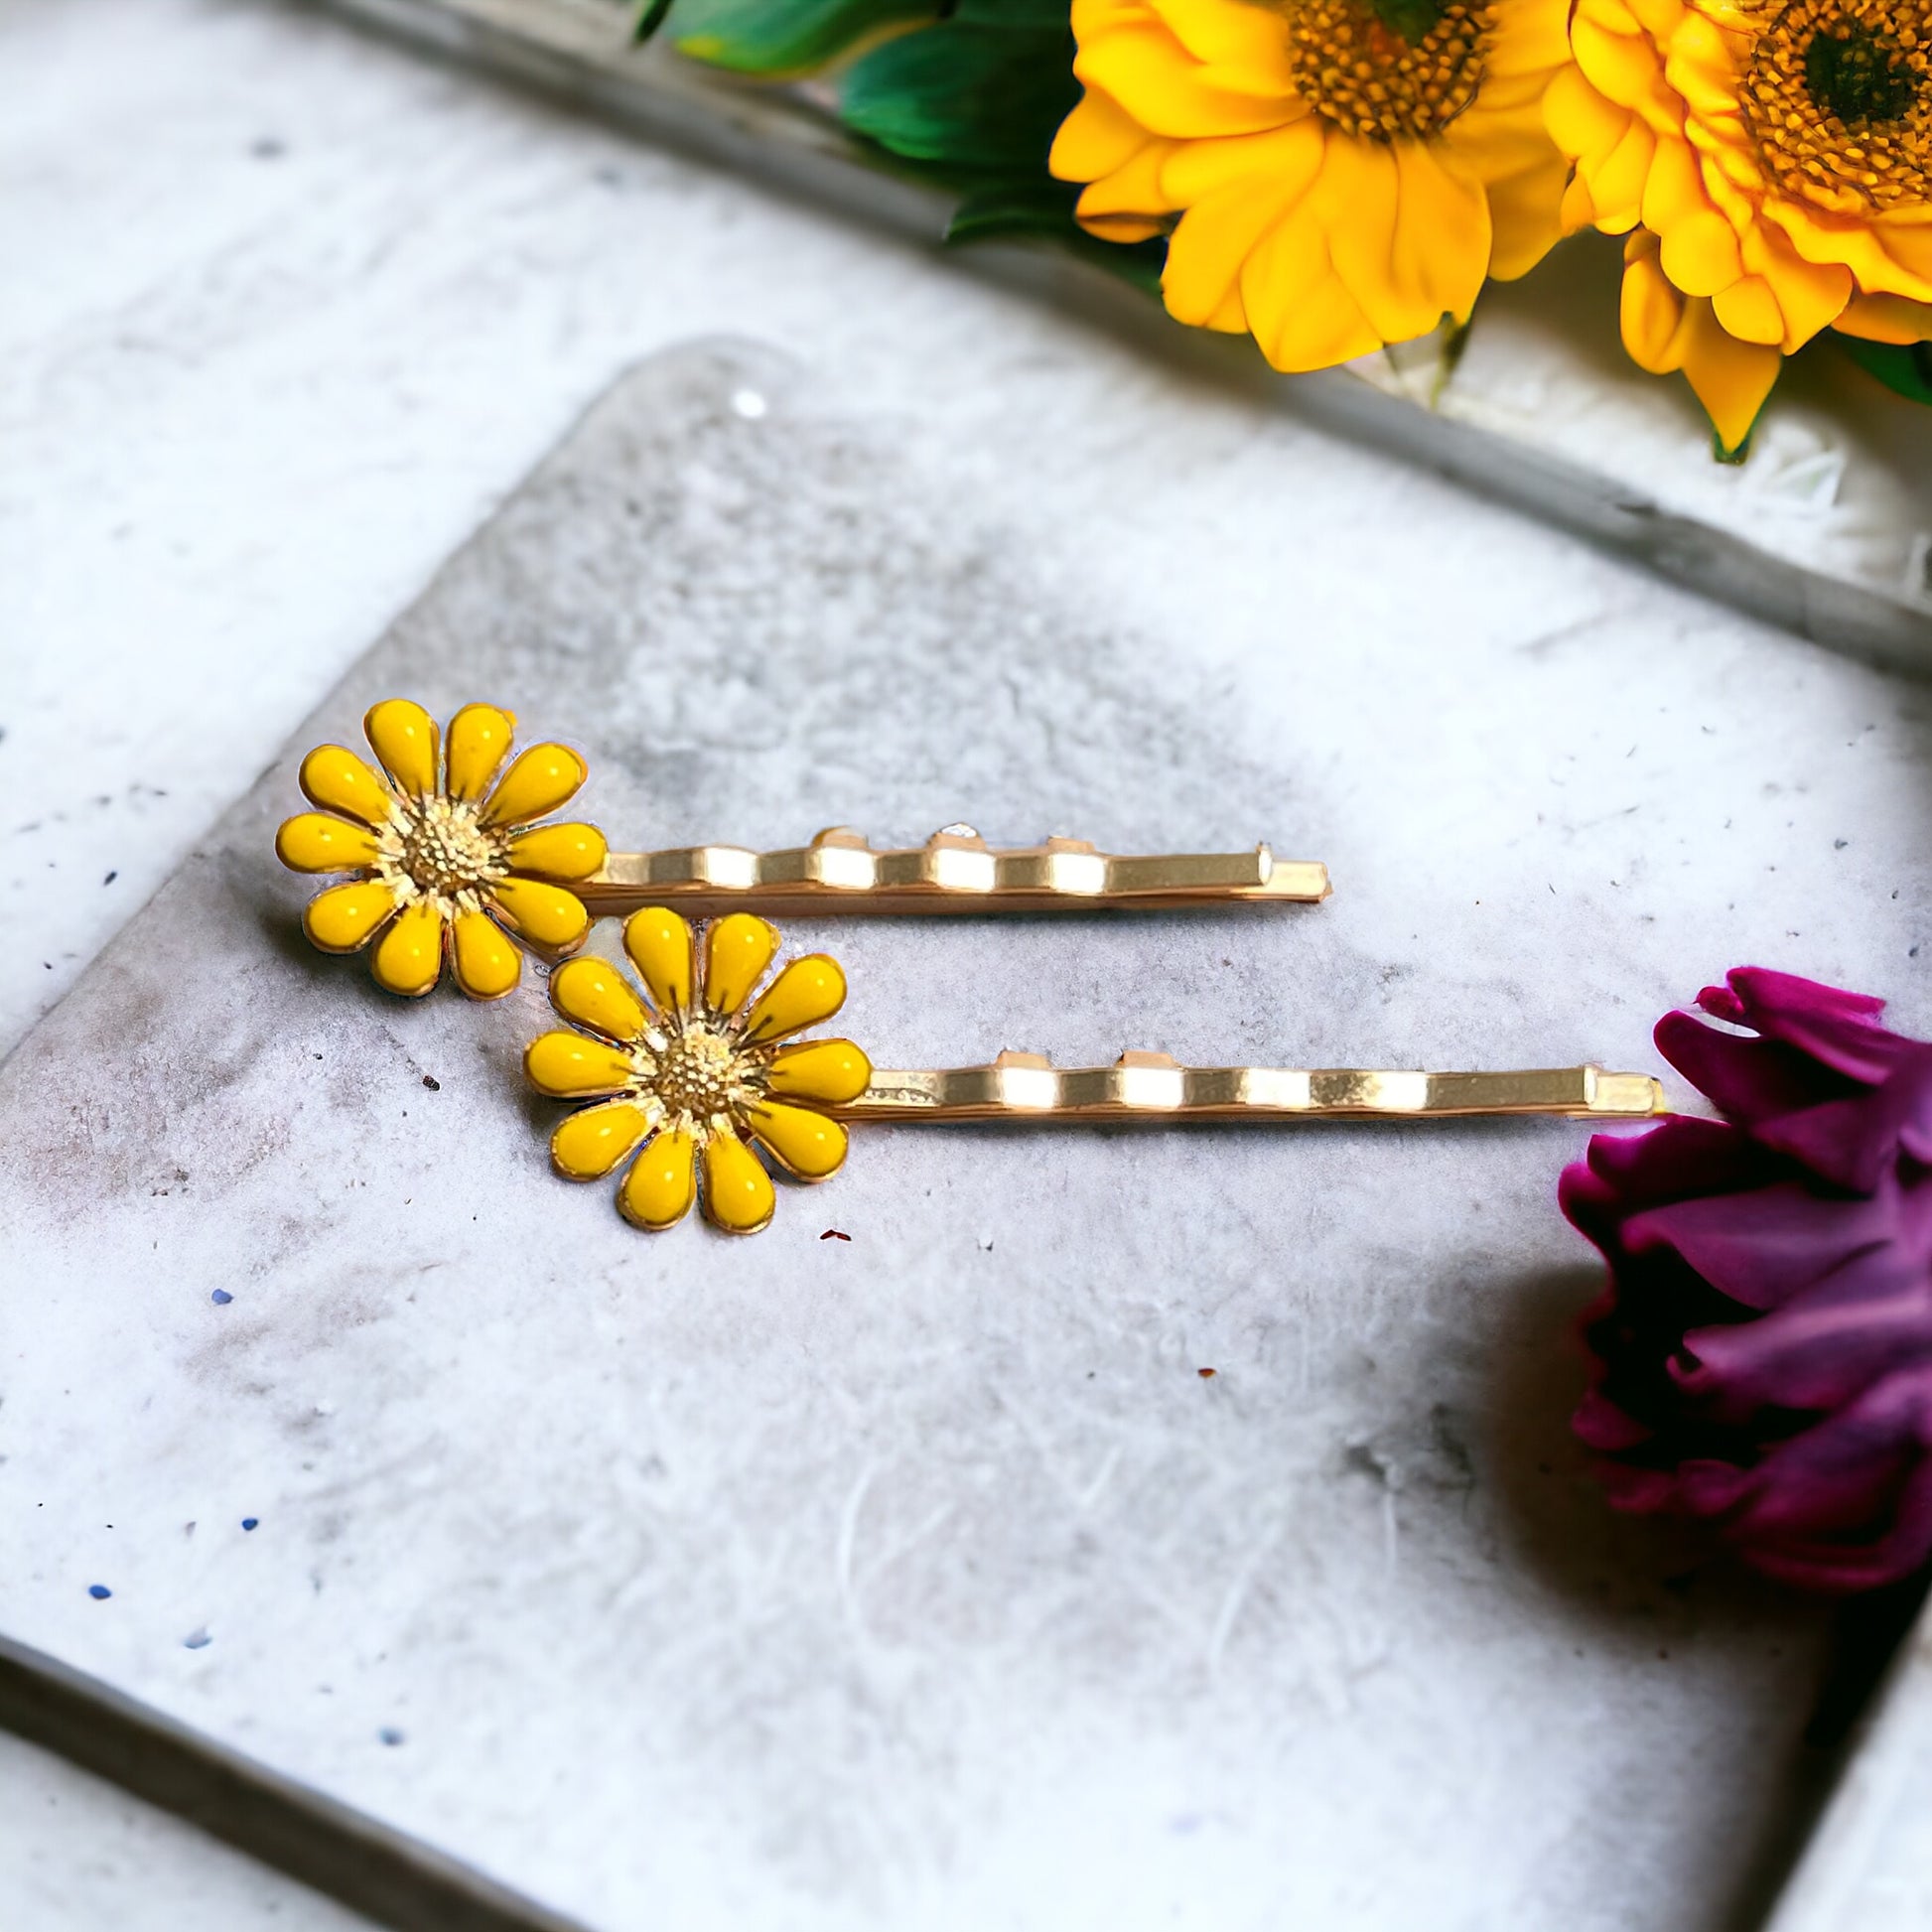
x,y
1868,1863
323,1844
581,52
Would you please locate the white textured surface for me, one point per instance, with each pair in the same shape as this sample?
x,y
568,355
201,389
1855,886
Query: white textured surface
x,y
893,1582
79,1855
249,400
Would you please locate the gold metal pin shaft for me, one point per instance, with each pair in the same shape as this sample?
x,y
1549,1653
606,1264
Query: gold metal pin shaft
x,y
1150,1086
955,871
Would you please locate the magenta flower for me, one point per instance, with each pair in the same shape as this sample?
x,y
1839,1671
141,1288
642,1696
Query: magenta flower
x,y
1764,1346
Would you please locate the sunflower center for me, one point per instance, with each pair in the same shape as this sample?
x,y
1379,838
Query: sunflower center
x,y
1836,101
439,848
1388,69
697,1074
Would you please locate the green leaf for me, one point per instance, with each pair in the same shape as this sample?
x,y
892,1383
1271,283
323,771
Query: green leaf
x,y
785,36
1903,366
1036,207
971,93
1031,205
1043,16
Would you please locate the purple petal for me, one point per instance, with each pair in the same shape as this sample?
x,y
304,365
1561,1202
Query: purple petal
x,y
1826,1344
1896,1548
1623,1173
1601,1425
1761,1248
1826,1023
1748,1080
1851,1142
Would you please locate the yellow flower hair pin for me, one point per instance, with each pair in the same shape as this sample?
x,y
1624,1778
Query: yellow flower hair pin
x,y
445,858
693,1074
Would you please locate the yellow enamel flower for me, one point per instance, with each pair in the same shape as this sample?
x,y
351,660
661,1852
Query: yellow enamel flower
x,y
440,861
694,1076
1345,173
1772,165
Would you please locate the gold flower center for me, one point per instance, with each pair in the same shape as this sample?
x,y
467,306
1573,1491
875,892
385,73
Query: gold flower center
x,y
1388,69
439,848
698,1073
1836,101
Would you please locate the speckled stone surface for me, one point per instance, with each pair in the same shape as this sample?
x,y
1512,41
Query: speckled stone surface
x,y
922,1580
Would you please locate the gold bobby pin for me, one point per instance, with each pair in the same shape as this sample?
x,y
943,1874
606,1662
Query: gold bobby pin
x,y
444,853
689,1069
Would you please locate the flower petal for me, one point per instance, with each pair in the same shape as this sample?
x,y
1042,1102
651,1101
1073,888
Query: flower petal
x,y
831,1072
1839,1027
661,949
592,1142
805,1143
559,851
544,778
809,990
572,1066
346,917
487,965
1732,379
1886,319
334,778
479,740
321,842
544,915
737,1194
659,1190
594,993
408,958
736,950
1749,310
407,742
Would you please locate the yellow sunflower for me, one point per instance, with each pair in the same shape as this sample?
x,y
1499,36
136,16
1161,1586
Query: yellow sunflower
x,y
1344,172
693,1077
1772,165
440,861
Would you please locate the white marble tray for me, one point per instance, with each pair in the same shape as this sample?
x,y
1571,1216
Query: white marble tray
x,y
921,1579
1827,529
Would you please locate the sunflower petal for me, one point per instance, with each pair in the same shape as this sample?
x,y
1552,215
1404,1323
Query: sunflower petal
x,y
736,950
542,780
1749,310
809,990
321,842
407,742
408,958
737,1194
830,1071
346,917
1731,378
1886,319
334,778
661,949
571,1066
544,915
591,1143
487,965
558,851
594,993
804,1143
659,1190
479,741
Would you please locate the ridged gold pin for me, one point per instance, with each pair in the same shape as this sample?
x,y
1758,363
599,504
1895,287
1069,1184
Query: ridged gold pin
x,y
955,871
688,1073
